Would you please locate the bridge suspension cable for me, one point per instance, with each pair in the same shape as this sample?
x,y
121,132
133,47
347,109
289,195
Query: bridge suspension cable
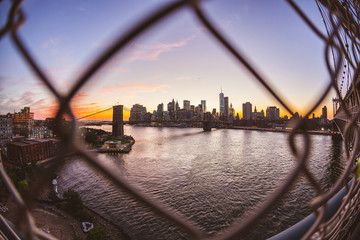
x,y
107,109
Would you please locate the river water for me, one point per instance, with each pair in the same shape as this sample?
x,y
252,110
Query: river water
x,y
213,178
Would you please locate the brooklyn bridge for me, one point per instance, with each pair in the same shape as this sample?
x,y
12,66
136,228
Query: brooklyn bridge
x,y
207,122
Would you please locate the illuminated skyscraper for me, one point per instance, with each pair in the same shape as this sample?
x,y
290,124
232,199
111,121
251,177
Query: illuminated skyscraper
x,y
203,105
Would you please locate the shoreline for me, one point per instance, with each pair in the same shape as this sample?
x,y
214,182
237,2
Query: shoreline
x,y
58,222
111,228
311,132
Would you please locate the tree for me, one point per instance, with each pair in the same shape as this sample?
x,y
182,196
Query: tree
x,y
73,199
91,137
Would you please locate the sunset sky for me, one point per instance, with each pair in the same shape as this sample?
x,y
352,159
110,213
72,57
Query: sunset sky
x,y
177,58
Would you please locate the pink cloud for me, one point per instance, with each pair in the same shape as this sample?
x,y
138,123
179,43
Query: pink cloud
x,y
149,53
79,97
138,87
113,65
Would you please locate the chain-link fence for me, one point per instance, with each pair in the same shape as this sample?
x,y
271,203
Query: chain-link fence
x,y
341,54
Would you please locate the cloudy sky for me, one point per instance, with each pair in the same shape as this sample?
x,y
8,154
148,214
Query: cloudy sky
x,y
177,58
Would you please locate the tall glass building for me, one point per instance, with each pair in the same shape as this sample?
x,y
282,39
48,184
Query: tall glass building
x,y
222,103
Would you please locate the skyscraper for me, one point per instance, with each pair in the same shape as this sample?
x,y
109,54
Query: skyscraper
x,y
170,106
118,125
137,112
272,113
231,111
222,104
247,110
160,110
226,108
203,105
187,105
324,112
177,108
171,109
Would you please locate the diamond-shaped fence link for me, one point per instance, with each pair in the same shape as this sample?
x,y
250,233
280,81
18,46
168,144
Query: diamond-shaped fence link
x,y
342,47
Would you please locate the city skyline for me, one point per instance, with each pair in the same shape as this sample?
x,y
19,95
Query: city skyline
x,y
176,59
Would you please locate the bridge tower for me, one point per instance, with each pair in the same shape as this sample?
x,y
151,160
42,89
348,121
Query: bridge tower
x,y
118,121
207,121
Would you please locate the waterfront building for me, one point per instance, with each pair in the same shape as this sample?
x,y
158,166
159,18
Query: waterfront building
x,y
118,124
23,116
323,118
6,129
272,113
258,115
166,115
231,112
261,114
147,116
247,110
160,109
203,105
214,111
226,108
22,121
324,113
198,112
23,151
183,114
187,105
40,132
154,116
171,109
222,103
177,108
137,113
192,108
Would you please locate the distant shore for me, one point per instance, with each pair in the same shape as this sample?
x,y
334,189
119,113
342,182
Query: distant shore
x,y
315,132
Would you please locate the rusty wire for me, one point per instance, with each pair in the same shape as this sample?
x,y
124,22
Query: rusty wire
x,y
342,28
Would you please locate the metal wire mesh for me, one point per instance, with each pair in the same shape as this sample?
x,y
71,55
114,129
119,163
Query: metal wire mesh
x,y
341,46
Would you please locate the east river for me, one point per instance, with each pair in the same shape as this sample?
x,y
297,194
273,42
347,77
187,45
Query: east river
x,y
213,178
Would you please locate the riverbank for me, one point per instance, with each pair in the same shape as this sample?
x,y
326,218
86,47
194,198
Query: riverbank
x,y
286,130
280,130
61,224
